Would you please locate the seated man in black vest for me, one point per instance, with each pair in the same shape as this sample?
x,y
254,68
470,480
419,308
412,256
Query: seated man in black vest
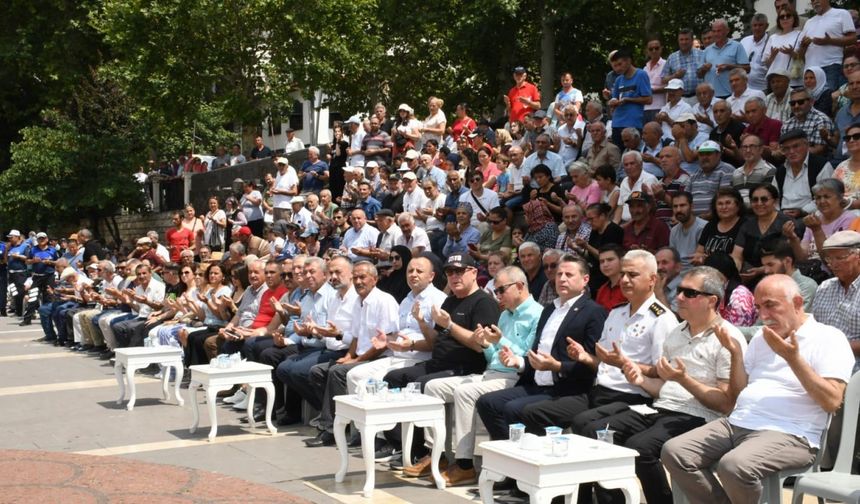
x,y
798,175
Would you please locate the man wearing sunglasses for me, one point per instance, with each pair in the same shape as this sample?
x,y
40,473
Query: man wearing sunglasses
x,y
812,121
449,338
784,386
690,387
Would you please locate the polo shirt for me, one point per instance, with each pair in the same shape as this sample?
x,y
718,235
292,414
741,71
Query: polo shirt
x,y
732,52
703,186
518,109
17,265
761,173
737,103
685,241
553,161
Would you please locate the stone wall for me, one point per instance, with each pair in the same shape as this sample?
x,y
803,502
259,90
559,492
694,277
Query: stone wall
x,y
134,226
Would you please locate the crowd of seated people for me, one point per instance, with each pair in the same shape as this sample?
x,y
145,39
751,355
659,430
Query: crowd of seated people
x,y
685,247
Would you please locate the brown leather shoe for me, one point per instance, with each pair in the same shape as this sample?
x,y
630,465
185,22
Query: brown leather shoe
x,y
422,467
455,475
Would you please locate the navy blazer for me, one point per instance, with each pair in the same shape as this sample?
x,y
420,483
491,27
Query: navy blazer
x,y
584,324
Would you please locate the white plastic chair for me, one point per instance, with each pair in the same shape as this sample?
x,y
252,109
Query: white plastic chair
x,y
838,484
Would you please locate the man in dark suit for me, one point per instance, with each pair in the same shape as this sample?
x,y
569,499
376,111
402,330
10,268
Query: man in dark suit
x,y
547,371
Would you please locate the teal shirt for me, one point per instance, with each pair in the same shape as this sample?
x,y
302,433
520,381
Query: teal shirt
x,y
518,329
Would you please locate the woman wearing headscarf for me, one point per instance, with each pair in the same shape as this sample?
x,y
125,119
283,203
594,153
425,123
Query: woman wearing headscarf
x,y
395,282
542,228
815,81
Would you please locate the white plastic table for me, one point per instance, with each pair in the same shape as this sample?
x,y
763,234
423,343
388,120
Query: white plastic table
x,y
544,476
372,416
214,380
132,359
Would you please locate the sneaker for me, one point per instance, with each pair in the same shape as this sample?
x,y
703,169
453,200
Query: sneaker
x,y
384,454
235,398
241,405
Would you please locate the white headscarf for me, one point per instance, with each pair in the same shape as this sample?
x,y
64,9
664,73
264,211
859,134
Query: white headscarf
x,y
820,81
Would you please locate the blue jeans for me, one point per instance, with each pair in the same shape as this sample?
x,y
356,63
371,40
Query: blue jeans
x,y
59,316
835,77
46,317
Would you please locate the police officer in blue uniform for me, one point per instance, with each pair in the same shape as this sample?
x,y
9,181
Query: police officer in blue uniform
x,y
4,280
17,268
42,258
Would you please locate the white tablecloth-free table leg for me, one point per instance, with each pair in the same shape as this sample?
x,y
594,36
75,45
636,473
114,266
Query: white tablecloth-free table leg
x,y
629,486
339,427
195,408
120,380
485,484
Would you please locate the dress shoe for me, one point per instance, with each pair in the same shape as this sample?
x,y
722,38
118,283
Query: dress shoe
x,y
422,468
74,347
107,355
25,322
456,475
288,420
85,348
505,485
58,343
383,453
259,415
229,392
97,349
325,438
354,440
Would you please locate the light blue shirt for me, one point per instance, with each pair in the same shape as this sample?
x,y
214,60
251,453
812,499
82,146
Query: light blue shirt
x,y
461,246
316,304
552,160
518,329
733,53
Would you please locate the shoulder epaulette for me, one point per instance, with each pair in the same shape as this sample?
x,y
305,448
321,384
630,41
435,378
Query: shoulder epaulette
x,y
657,309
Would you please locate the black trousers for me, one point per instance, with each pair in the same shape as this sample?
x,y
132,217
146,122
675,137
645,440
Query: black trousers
x,y
18,278
256,229
422,373
40,282
130,333
4,283
501,408
195,352
645,434
562,411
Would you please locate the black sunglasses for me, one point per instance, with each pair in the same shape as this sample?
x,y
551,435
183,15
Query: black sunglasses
x,y
798,102
692,293
501,289
852,138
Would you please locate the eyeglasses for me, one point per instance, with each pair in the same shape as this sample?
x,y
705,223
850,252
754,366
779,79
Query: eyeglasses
x,y
501,289
187,272
692,293
477,179
798,102
852,138
786,16
759,199
495,221
456,271
850,65
838,259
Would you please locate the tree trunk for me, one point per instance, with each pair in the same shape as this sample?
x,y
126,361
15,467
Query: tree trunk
x,y
547,55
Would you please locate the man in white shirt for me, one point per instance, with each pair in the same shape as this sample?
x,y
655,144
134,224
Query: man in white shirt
x,y
799,174
754,45
824,39
636,180
376,321
294,143
543,155
146,297
301,215
673,109
412,237
422,297
481,199
286,186
356,137
790,378
703,110
741,92
360,237
414,198
567,133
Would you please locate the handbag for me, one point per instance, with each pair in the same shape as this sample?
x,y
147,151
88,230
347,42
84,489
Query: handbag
x,y
215,241
796,65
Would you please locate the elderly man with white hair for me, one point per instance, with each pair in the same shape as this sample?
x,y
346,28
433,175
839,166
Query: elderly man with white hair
x,y
411,236
636,179
722,56
792,376
315,172
286,186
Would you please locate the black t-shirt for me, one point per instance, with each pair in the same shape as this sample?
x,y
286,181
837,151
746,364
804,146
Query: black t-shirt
x,y
94,248
263,153
715,241
612,234
468,312
393,202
